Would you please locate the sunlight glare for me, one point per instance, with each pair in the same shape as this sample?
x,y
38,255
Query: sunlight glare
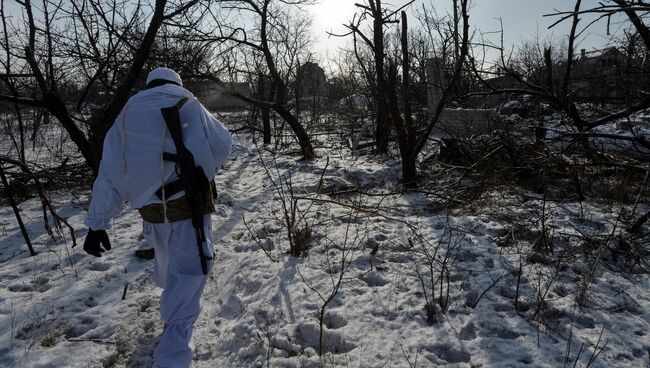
x,y
329,16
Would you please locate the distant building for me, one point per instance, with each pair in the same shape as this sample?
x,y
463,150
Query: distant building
x,y
603,75
599,75
454,122
311,81
502,82
505,83
606,75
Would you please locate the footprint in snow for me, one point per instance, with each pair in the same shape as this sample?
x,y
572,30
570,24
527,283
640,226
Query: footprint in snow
x,y
252,286
99,266
231,308
506,291
80,326
21,288
467,255
334,320
500,332
375,279
381,237
585,321
449,353
40,284
308,335
503,307
468,332
471,298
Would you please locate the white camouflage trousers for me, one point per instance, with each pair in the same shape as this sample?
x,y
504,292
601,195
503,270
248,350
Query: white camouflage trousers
x,y
178,272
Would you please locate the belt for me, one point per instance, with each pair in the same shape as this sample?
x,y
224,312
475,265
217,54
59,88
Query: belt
x,y
176,210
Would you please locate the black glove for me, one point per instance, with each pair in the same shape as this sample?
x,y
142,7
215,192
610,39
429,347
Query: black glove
x,y
93,239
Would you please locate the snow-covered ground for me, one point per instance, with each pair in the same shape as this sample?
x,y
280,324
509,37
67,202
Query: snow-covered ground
x,y
64,308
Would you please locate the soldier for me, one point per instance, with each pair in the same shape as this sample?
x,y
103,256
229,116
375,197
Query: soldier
x,y
160,155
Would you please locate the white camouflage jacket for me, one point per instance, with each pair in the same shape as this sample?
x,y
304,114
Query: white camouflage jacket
x,y
132,167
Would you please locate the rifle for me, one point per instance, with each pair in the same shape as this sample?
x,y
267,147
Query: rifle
x,y
192,178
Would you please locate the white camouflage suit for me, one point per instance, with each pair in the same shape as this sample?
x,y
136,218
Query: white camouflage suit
x,y
132,169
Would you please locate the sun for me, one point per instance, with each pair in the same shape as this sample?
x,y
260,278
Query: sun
x,y
329,16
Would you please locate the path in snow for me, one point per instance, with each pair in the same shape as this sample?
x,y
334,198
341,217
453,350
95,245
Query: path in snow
x,y
258,312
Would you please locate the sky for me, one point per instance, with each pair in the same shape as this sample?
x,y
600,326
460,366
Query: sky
x,y
521,20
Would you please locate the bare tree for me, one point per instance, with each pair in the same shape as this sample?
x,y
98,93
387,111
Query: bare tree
x,y
410,140
381,18
59,44
559,92
279,39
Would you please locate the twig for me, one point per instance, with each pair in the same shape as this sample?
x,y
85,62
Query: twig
x,y
97,341
14,206
257,241
597,352
491,286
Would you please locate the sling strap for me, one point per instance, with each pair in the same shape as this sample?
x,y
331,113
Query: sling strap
x,y
192,179
175,186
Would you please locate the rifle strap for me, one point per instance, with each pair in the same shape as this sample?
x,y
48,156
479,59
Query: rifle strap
x,y
172,119
181,102
189,173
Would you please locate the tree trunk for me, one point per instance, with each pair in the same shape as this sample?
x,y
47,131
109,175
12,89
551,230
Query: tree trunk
x,y
281,90
14,206
265,110
90,146
303,139
409,170
382,128
548,64
54,104
266,124
406,85
101,123
57,108
403,137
